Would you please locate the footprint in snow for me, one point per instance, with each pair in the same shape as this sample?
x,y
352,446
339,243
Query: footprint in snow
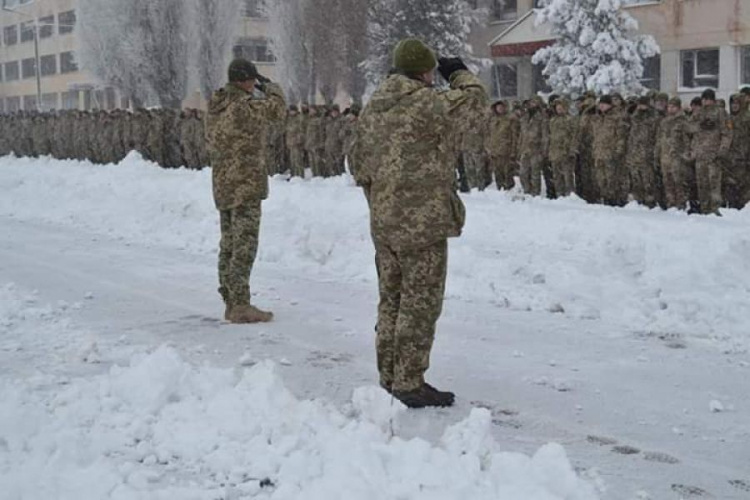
x,y
662,458
601,440
740,484
626,450
686,491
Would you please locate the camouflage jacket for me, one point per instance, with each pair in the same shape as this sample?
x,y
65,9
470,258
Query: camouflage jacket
x,y
404,159
348,135
295,133
642,138
474,132
334,139
563,137
712,134
739,150
534,138
610,136
673,139
237,126
315,134
502,136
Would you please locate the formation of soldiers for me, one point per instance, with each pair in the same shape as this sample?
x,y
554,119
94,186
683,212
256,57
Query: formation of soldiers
x,y
314,137
168,137
611,150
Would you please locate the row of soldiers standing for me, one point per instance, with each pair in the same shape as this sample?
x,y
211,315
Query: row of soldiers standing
x,y
609,149
314,137
168,137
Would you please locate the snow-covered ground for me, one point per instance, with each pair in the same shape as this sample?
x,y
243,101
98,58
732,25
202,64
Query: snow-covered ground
x,y
617,333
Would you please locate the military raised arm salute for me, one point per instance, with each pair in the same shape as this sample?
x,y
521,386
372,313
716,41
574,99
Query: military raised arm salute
x,y
237,127
406,167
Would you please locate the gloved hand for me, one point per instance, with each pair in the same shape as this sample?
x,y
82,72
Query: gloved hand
x,y
261,82
449,65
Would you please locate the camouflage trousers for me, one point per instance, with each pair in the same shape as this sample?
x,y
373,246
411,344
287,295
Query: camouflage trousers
x,y
586,186
317,160
563,172
644,183
477,170
334,164
297,161
531,173
505,171
708,175
676,184
737,184
412,286
240,229
613,182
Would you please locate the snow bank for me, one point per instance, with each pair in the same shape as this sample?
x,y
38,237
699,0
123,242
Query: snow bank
x,y
163,429
633,268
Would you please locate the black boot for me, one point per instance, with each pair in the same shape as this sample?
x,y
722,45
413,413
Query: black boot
x,y
424,396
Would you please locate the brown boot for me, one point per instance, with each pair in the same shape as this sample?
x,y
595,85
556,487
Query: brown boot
x,y
248,314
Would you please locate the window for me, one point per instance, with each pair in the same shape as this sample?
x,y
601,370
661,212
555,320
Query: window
x,y
13,104
700,68
11,71
505,80
49,102
29,102
27,32
68,63
539,82
28,68
504,10
10,35
70,99
651,78
251,8
46,26
254,49
745,66
67,21
49,65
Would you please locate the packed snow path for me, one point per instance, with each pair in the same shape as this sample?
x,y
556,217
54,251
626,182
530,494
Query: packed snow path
x,y
619,334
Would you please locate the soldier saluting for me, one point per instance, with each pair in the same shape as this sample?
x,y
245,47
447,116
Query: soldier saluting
x,y
406,169
237,126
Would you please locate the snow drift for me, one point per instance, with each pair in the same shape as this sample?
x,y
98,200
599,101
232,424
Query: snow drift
x,y
637,270
160,428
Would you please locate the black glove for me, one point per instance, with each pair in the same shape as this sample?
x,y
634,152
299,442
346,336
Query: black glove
x,y
261,82
449,65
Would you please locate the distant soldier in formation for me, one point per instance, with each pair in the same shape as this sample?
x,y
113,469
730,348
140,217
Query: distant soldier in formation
x,y
672,155
710,149
563,147
501,145
295,142
610,140
533,146
737,176
641,164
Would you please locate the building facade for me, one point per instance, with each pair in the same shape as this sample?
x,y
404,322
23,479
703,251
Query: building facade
x,y
704,44
60,82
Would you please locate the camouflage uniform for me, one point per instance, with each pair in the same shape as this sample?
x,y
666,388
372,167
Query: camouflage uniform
x,y
610,140
710,148
334,147
407,174
501,146
349,136
295,142
236,129
644,177
315,143
672,151
737,176
533,149
563,150
472,149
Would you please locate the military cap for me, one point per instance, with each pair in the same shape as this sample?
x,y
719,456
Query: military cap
x,y
676,101
709,94
745,90
242,70
661,96
413,57
697,101
605,99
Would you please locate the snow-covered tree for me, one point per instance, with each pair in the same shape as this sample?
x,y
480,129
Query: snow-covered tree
x,y
443,24
597,47
214,25
139,46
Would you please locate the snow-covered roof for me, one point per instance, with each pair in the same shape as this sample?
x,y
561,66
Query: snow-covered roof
x,y
523,30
